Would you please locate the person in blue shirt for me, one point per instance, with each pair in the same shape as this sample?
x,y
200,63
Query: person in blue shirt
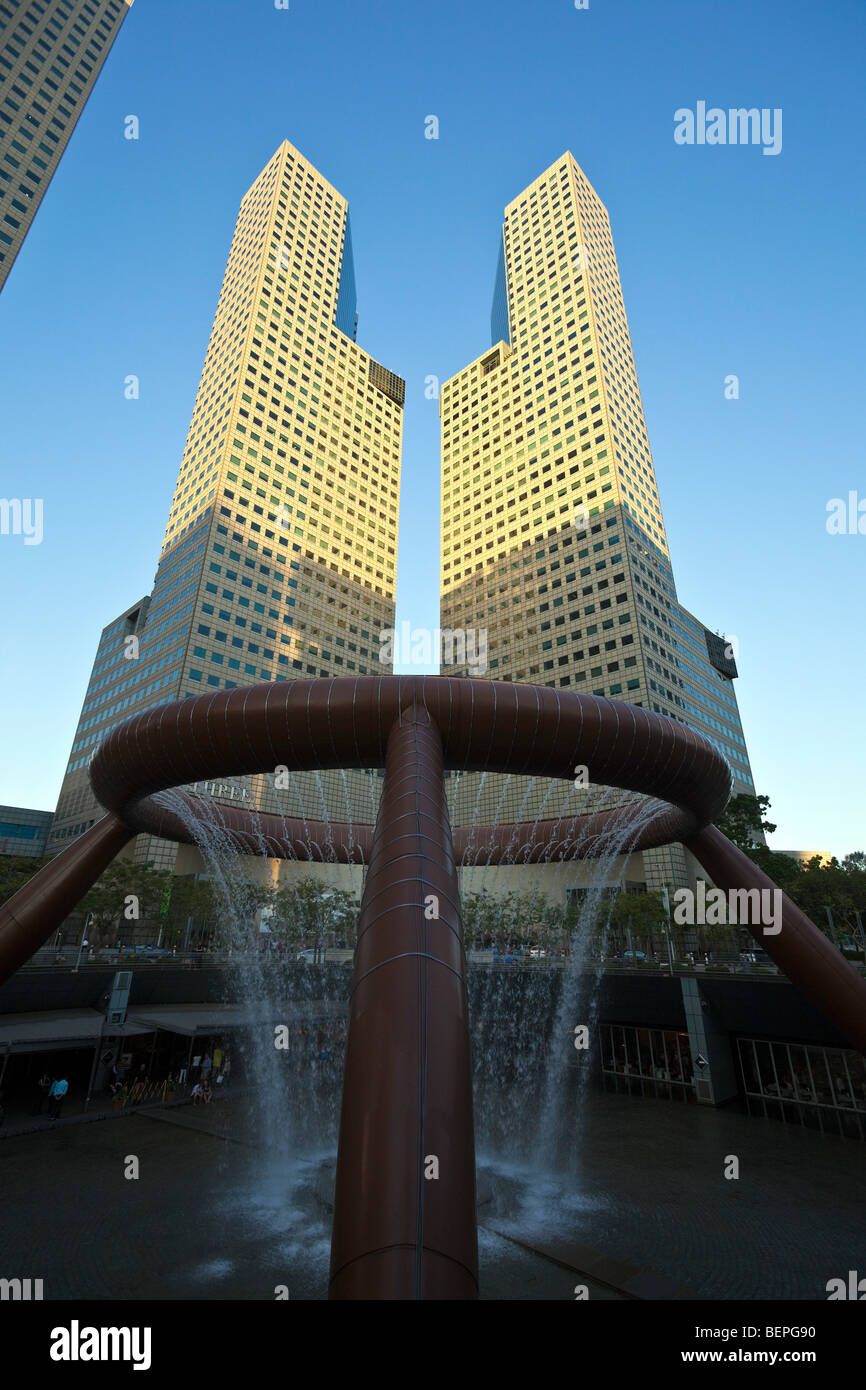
x,y
55,1097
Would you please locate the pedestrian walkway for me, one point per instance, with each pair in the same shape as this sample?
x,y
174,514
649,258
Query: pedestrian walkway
x,y
100,1108
199,1118
645,1211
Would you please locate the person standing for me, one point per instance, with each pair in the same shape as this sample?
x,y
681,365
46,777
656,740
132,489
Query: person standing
x,y
42,1093
55,1097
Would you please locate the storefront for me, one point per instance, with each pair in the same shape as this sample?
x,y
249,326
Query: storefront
x,y
647,1062
821,1088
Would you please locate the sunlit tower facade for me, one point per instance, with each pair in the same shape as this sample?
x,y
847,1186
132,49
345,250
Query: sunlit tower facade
x,y
51,53
553,538
280,553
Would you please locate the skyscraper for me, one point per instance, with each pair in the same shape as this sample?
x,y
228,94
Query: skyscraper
x,y
51,53
280,553
553,538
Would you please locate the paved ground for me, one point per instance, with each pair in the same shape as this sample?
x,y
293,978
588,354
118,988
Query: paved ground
x,y
645,1205
20,1120
648,1189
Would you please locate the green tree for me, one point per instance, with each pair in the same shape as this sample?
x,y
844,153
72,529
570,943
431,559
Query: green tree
x,y
192,904
841,889
640,916
783,869
15,871
816,886
309,913
744,818
512,920
124,895
489,920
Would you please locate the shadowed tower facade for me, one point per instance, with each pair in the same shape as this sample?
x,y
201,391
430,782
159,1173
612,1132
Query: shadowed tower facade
x,y
280,552
51,53
553,539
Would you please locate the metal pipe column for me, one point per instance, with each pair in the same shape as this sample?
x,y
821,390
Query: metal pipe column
x,y
404,1209
805,954
36,910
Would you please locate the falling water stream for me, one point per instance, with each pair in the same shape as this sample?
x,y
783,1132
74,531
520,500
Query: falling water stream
x,y
530,1080
292,1060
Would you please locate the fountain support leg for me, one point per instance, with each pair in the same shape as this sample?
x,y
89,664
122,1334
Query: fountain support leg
x,y
36,910
404,1206
809,959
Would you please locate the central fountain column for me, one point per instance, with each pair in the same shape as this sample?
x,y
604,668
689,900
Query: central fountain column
x,y
404,1207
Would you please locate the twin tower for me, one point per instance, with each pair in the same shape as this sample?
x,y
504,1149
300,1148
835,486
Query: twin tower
x,y
279,557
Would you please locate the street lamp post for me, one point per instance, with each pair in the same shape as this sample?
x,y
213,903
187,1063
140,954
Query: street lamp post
x,y
667,903
96,1053
81,943
320,933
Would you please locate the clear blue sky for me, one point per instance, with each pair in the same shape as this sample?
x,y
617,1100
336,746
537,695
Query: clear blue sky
x,y
731,262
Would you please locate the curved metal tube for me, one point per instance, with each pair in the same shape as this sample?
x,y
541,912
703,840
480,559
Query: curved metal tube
x,y
399,1233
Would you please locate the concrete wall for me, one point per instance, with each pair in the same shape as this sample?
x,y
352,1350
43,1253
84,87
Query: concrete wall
x,y
770,1008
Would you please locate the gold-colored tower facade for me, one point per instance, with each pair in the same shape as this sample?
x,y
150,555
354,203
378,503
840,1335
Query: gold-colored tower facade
x,y
553,540
51,53
280,553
